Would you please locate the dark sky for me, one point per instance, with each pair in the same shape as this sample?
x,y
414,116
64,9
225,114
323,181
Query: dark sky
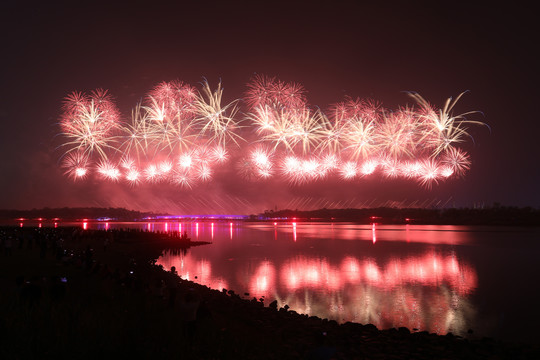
x,y
335,49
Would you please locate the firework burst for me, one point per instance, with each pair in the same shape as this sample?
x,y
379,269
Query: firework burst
x,y
76,165
181,135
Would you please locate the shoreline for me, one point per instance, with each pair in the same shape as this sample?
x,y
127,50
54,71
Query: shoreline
x,y
493,215
119,275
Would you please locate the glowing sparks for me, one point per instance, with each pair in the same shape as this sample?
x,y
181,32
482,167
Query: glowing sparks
x,y
76,165
180,135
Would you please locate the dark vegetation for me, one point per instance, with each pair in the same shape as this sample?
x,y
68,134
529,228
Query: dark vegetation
x,y
69,214
496,215
85,294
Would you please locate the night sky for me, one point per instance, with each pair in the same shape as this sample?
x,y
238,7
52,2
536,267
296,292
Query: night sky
x,y
334,49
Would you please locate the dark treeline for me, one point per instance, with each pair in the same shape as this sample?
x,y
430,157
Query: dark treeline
x,y
496,215
67,213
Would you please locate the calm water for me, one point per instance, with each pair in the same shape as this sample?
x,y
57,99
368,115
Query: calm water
x,y
436,278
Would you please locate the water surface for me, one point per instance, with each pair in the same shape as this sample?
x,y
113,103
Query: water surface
x,y
435,278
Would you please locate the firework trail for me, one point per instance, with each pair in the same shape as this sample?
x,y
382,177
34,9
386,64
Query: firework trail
x,y
180,135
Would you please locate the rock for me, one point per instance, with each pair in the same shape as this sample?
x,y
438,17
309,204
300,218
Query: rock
x,y
404,330
369,327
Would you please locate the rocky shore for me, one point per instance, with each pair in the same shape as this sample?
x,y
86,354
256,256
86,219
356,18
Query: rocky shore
x,y
87,294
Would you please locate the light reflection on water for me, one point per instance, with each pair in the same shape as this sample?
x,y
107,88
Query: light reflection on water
x,y
336,271
434,278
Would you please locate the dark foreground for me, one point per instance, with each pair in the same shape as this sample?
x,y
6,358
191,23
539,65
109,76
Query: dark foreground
x,y
79,294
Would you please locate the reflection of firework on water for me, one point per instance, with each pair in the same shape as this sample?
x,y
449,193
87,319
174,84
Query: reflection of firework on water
x,y
397,292
180,135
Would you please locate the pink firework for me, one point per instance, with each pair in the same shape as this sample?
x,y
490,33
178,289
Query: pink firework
x,y
262,163
185,160
247,169
259,91
219,154
290,95
108,171
312,169
411,169
89,122
368,167
300,171
152,173
261,157
329,162
367,110
204,172
165,167
183,178
175,98
71,107
391,168
429,173
457,160
267,91
292,169
110,114
181,135
396,134
349,170
446,171
76,165
133,176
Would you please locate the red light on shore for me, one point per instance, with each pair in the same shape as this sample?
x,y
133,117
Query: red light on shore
x,y
84,225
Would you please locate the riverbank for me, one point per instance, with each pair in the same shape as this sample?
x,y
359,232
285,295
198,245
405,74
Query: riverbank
x,y
495,215
82,294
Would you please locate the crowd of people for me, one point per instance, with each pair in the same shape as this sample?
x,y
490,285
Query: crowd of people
x,y
86,251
